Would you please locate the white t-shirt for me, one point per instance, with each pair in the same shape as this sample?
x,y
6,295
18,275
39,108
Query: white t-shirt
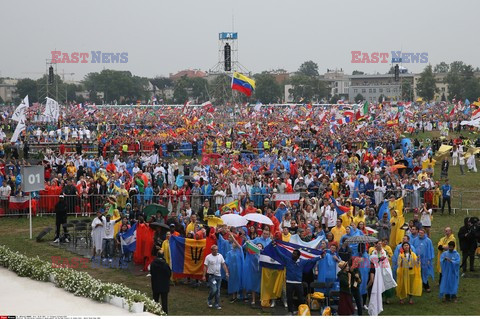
x,y
5,191
108,227
214,264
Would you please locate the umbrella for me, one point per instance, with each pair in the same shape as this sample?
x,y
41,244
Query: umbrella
x,y
361,240
187,178
156,225
152,209
234,220
259,218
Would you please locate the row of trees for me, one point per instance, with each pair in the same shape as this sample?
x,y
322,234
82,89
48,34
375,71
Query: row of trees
x,y
306,86
462,83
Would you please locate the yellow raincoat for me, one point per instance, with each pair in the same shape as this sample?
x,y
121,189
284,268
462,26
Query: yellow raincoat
x,y
396,233
409,278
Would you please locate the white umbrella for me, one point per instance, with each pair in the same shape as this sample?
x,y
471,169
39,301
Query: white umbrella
x,y
234,220
259,218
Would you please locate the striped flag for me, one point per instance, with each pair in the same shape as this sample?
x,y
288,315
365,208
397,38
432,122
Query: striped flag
x,y
252,248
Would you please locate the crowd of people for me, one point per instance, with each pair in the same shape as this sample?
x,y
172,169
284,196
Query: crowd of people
x,y
353,177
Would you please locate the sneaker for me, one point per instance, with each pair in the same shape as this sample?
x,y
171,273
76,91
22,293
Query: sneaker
x,y
285,304
66,240
365,307
149,275
218,307
272,305
110,260
209,305
56,240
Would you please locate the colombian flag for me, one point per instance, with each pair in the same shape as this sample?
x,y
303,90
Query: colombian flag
x,y
243,84
187,257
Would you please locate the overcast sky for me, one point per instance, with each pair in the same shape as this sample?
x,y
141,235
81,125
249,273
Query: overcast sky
x,y
163,37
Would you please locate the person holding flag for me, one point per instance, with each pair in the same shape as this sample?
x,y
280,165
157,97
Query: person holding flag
x,y
295,267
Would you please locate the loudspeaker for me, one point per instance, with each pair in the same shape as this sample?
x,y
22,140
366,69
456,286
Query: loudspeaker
x,y
228,57
50,75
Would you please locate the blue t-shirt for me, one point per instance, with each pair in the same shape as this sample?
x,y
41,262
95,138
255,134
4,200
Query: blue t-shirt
x,y
446,189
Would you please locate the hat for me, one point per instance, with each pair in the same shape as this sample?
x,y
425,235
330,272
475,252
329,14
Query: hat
x,y
342,264
172,225
282,203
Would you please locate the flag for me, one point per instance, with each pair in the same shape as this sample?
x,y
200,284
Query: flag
x,y
187,256
18,130
243,84
129,239
451,110
20,110
52,110
340,209
271,285
475,114
258,106
365,108
18,202
270,257
230,206
252,248
295,239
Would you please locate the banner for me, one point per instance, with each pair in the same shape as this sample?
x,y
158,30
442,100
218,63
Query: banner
x,y
287,197
18,130
19,113
52,110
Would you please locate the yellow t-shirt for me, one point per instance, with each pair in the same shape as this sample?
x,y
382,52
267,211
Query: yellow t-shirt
x,y
286,238
338,233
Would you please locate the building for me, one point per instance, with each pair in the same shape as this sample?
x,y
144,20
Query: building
x,y
337,82
374,86
188,74
8,89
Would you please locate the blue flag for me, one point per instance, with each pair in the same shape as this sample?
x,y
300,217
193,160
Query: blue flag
x,y
269,257
129,239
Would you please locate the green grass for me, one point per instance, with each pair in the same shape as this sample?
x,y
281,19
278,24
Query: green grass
x,y
185,300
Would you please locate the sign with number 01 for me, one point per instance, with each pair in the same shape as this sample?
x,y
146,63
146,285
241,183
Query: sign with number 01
x,y
33,178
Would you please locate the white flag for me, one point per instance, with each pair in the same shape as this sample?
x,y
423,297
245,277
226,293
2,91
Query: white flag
x,y
52,110
20,127
20,110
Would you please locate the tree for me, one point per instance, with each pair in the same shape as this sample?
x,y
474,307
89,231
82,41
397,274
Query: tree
x,y
334,99
121,86
355,72
407,91
381,98
442,67
1,100
161,82
426,86
308,68
359,97
220,89
199,89
462,84
267,90
27,87
307,89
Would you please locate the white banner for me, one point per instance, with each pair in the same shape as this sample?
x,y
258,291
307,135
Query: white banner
x,y
52,110
20,110
20,127
287,197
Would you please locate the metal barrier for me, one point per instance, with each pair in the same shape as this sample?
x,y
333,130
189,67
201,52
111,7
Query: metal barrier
x,y
85,204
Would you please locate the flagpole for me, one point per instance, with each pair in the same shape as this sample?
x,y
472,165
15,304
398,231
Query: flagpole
x,y
30,212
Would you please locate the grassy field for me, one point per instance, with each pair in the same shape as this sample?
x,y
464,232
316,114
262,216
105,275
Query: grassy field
x,y
186,300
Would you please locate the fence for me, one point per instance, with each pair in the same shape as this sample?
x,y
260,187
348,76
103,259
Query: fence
x,y
89,204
